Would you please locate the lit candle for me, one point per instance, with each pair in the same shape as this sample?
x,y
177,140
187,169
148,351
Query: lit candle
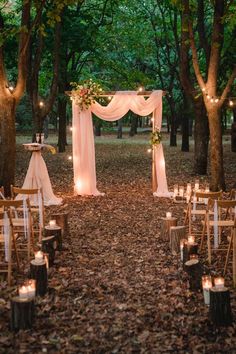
x,y
168,215
52,223
46,260
191,240
181,191
219,282
206,286
31,287
189,188
196,186
176,190
193,256
38,256
23,291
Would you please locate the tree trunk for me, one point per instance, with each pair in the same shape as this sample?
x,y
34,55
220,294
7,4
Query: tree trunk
x,y
7,141
173,127
216,151
119,131
134,124
185,124
201,137
62,124
97,127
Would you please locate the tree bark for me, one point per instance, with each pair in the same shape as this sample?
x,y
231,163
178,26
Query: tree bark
x,y
119,131
185,124
216,153
62,142
201,137
7,141
134,124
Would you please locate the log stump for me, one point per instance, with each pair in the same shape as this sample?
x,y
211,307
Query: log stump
x,y
166,223
22,313
49,244
38,271
54,231
194,270
62,221
220,308
177,233
188,249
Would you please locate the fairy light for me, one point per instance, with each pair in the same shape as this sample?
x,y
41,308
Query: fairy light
x,y
109,98
70,158
149,151
140,89
11,88
71,129
215,99
41,104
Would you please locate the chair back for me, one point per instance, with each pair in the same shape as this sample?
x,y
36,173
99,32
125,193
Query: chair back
x,y
212,195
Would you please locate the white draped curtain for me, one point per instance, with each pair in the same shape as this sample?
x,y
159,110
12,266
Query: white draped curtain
x,y
83,137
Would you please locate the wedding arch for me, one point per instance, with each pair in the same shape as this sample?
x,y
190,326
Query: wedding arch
x,y
85,182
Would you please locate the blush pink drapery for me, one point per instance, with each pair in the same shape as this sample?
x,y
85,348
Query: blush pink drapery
x,y
83,137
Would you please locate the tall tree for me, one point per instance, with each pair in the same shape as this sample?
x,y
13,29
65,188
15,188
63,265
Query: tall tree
x,y
213,94
30,13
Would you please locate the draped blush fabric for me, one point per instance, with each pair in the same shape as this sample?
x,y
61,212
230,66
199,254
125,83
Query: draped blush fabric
x,y
37,177
83,138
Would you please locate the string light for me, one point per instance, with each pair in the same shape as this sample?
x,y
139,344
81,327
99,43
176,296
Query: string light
x,y
41,104
109,98
140,89
71,129
70,157
216,99
11,88
149,151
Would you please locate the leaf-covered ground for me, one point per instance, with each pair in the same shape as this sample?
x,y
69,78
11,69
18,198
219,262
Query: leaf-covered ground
x,y
116,287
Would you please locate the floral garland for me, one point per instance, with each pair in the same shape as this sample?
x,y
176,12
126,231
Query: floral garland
x,y
85,93
156,138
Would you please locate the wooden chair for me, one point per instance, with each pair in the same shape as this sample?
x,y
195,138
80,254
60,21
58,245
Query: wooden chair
x,y
8,236
197,207
37,212
217,210
22,222
2,196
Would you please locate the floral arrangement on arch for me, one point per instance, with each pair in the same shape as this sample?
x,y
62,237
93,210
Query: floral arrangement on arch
x,y
85,93
156,137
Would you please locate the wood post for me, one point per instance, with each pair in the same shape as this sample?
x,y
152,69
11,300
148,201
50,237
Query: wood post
x,y
166,223
38,271
62,221
49,244
176,234
220,308
22,313
194,270
54,231
189,249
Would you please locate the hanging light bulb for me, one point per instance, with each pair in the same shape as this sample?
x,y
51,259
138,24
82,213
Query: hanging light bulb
x,y
216,99
11,88
231,103
41,104
203,89
140,89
